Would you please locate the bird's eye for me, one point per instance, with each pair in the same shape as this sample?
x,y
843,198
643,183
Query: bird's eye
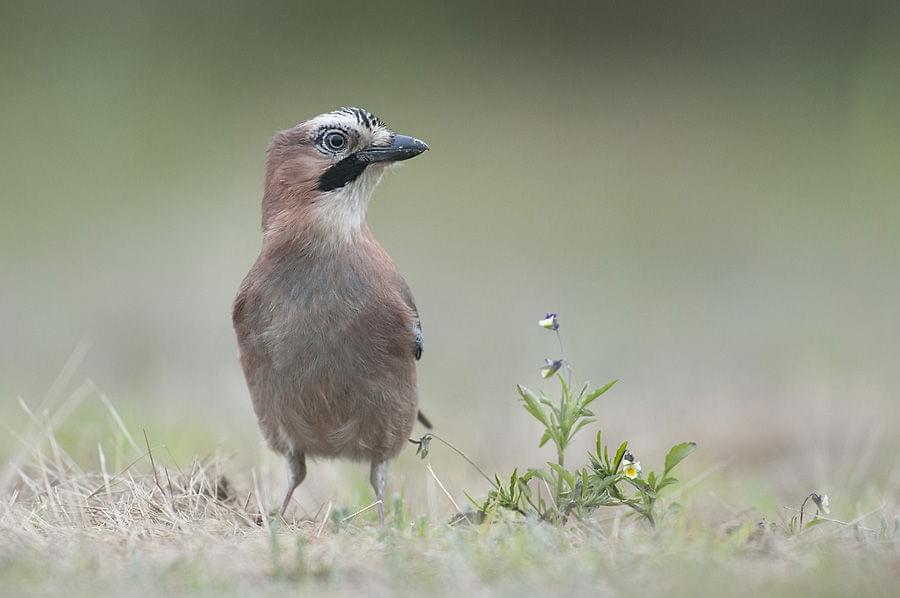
x,y
335,141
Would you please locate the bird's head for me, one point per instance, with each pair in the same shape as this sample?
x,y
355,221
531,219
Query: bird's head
x,y
323,171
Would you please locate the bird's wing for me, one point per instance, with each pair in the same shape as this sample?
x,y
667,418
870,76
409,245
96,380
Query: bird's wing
x,y
410,301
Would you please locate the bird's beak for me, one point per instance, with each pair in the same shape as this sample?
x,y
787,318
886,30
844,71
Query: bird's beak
x,y
402,147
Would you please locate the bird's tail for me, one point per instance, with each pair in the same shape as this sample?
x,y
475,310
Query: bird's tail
x,y
424,420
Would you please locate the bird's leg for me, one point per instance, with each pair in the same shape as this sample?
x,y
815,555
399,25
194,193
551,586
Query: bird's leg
x,y
296,473
379,481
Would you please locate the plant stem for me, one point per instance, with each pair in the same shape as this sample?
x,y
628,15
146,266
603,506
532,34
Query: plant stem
x,y
562,356
561,460
464,456
803,506
646,513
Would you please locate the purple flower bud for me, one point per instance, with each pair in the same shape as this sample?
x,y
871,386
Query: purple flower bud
x,y
550,367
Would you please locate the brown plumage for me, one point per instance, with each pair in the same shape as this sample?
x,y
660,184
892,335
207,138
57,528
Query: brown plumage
x,y
327,327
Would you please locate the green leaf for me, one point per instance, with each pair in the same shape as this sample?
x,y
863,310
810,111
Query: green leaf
x,y
545,438
641,485
581,393
604,483
475,503
677,454
596,393
567,476
540,474
554,421
667,481
582,423
565,387
545,401
596,465
524,489
651,479
814,521
532,405
599,444
619,454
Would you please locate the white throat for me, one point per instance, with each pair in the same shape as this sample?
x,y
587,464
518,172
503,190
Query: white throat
x,y
343,210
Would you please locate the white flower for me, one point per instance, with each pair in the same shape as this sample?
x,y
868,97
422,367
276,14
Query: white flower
x,y
822,502
550,367
631,469
550,322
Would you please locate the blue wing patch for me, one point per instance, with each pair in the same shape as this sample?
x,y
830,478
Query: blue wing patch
x,y
420,342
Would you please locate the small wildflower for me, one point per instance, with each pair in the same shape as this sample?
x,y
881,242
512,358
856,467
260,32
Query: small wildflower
x,y
627,457
822,502
550,367
550,322
422,445
632,469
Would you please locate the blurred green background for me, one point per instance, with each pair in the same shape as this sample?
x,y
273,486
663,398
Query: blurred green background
x,y
706,192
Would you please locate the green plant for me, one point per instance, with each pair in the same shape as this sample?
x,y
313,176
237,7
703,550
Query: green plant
x,y
556,492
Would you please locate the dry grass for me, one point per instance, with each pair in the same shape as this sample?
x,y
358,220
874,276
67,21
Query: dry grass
x,y
154,527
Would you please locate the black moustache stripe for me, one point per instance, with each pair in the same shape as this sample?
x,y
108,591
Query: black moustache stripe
x,y
345,171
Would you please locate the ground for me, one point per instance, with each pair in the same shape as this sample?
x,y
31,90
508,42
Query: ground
x,y
193,531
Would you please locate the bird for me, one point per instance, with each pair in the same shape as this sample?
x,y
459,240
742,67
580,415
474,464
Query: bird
x,y
327,327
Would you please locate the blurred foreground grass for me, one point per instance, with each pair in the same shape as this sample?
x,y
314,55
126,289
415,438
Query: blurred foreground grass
x,y
138,520
208,557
